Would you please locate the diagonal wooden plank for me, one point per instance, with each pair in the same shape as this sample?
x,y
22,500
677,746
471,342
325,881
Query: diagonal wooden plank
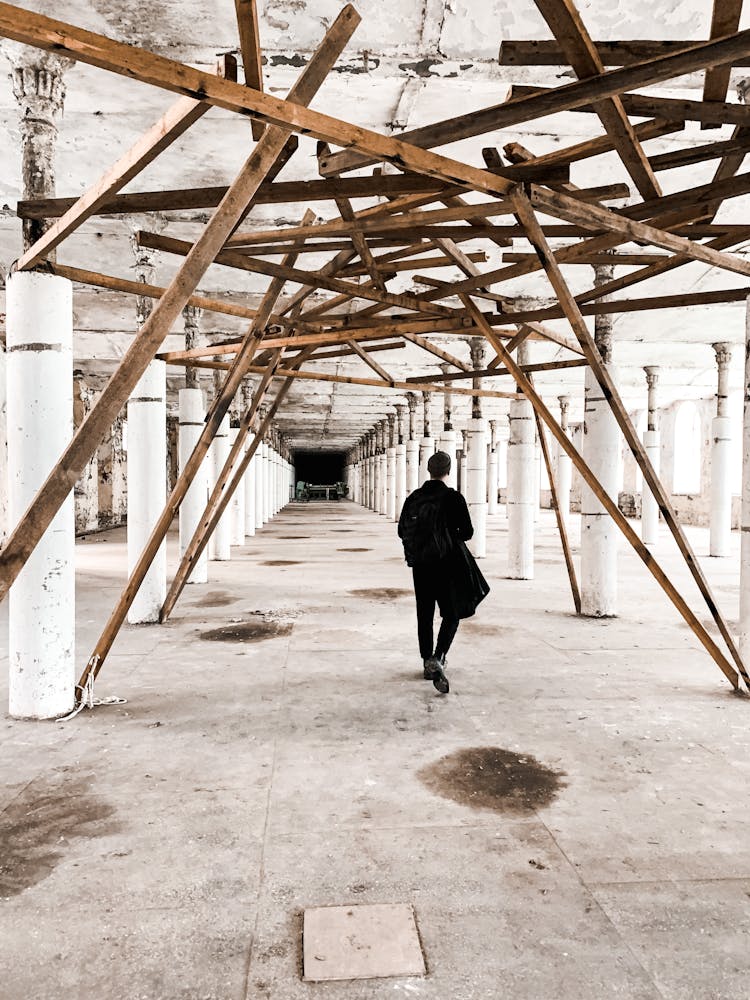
x,y
612,52
527,218
371,362
568,28
725,20
604,498
174,123
117,57
252,62
43,508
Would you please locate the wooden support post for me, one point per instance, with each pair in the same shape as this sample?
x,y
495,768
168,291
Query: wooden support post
x,y
527,218
622,522
559,514
252,63
221,496
69,468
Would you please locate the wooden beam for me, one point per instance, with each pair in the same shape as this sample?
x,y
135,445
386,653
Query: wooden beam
x,y
560,517
607,502
252,62
652,129
620,52
223,491
545,366
568,28
371,362
229,258
623,259
80,45
67,471
174,123
527,218
650,106
570,97
725,20
250,344
699,154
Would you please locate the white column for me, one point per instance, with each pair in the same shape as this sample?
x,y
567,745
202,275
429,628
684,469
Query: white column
x,y
601,451
191,416
652,444
4,488
564,466
147,486
41,612
250,493
447,440
237,503
461,457
400,463
744,618
427,444
260,471
721,460
263,452
390,468
521,491
220,549
492,470
475,444
412,446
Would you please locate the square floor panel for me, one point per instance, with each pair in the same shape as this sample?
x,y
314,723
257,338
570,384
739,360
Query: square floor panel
x,y
361,942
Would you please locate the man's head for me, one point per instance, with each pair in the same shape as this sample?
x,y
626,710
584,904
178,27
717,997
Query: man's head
x,y
439,465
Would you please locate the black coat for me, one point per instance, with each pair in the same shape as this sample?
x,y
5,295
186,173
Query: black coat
x,y
457,579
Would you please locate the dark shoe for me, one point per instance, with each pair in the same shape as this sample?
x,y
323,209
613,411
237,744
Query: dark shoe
x,y
439,680
429,666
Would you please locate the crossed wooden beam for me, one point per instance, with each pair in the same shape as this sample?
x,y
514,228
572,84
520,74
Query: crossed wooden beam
x,y
345,308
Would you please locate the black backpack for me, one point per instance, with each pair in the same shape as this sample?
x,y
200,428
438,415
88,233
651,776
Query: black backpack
x,y
424,529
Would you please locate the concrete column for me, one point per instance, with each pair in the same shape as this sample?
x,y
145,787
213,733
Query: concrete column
x,y
41,612
382,470
412,446
447,441
237,503
475,438
221,540
521,489
260,471
147,486
400,465
427,444
247,390
564,465
744,617
652,444
461,460
86,490
601,451
721,459
267,482
192,413
492,475
147,460
390,455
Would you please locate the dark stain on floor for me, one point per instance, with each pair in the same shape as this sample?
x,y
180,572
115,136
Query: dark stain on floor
x,y
252,630
294,538
215,599
37,826
354,550
381,593
493,778
347,531
281,562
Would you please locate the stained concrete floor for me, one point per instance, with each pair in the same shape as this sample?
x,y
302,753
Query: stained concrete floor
x,y
165,849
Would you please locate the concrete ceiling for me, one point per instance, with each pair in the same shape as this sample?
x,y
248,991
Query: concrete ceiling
x,y
410,62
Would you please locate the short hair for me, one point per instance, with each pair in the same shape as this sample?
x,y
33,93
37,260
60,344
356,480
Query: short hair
x,y
439,464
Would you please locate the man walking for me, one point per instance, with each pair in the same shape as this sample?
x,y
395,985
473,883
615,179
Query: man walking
x,y
434,525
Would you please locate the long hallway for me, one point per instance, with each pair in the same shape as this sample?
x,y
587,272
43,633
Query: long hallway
x,y
279,750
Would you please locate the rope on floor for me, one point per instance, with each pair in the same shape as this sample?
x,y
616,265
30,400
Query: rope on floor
x,y
87,699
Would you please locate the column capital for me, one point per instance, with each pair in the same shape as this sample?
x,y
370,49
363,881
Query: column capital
x,y
38,82
723,351
652,374
743,89
411,401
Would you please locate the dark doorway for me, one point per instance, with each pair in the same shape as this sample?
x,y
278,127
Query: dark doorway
x,y
319,467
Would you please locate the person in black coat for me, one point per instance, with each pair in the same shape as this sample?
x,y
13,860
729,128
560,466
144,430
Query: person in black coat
x,y
434,526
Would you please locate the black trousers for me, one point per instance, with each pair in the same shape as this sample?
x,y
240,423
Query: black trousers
x,y
429,590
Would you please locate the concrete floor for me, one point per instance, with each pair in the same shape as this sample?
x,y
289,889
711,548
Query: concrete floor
x,y
165,849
